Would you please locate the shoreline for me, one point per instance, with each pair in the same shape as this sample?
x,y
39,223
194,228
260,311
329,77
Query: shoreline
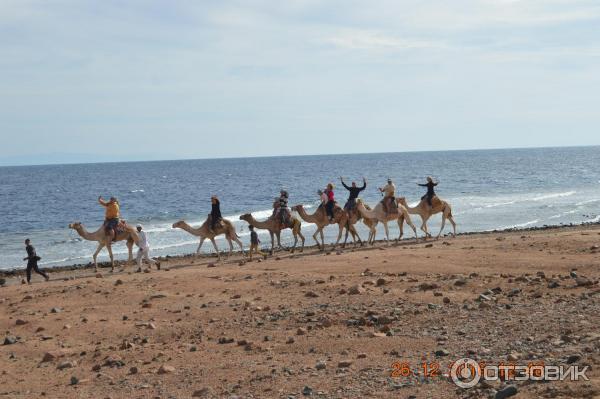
x,y
20,272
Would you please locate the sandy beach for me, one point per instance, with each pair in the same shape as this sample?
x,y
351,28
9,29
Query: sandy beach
x,y
312,324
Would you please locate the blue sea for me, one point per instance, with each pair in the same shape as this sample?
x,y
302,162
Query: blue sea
x,y
488,189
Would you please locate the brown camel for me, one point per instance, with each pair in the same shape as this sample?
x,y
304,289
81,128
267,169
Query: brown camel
x,y
275,228
104,240
425,212
204,232
382,216
321,219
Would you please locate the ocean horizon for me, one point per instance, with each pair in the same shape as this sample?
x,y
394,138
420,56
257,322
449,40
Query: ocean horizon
x,y
488,189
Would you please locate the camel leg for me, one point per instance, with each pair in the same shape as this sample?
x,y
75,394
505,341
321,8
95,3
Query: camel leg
x,y
401,227
216,248
295,233
412,226
200,245
322,240
112,260
230,247
302,238
130,250
237,240
451,219
340,232
317,240
272,242
387,233
100,246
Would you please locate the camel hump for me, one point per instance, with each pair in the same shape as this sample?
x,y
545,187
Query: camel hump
x,y
436,202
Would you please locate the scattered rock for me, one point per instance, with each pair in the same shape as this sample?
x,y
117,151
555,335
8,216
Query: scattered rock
x,y
355,290
344,364
507,392
311,294
10,340
99,275
203,393
380,282
321,365
166,369
67,365
583,282
20,322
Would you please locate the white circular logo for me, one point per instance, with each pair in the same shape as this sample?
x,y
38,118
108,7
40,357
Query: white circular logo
x,y
465,373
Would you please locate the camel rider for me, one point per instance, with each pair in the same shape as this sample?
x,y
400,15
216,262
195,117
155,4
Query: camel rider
x,y
323,198
330,201
215,212
282,207
430,192
354,192
112,216
389,196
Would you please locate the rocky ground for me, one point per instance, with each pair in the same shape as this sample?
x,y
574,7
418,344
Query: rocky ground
x,y
323,325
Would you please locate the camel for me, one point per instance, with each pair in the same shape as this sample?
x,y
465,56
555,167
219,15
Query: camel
x,y
425,211
275,229
204,232
379,214
104,240
321,219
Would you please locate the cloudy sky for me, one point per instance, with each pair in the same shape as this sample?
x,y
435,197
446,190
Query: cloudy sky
x,y
130,80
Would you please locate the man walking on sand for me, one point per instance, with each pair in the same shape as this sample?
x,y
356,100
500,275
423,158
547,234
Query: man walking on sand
x,y
144,251
32,260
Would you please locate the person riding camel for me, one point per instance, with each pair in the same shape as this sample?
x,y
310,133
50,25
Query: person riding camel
x,y
354,192
112,216
215,212
323,198
281,208
430,192
330,201
389,196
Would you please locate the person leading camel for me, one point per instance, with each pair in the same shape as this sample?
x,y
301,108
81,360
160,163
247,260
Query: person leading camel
x,y
215,212
389,196
112,215
330,201
144,250
430,192
32,260
354,192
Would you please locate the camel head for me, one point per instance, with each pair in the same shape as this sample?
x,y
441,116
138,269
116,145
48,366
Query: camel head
x,y
401,200
178,225
296,208
246,217
75,225
359,202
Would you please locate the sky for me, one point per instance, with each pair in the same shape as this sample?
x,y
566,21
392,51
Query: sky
x,y
134,80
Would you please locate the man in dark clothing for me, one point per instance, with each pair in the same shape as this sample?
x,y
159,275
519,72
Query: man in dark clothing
x,y
215,212
354,192
32,260
430,192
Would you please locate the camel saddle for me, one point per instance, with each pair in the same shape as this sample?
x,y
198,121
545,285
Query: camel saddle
x,y
390,206
120,228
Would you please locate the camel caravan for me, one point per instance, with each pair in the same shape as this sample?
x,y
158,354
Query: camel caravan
x,y
329,212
